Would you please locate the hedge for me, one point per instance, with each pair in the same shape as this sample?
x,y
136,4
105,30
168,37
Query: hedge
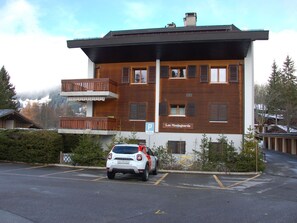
x,y
31,146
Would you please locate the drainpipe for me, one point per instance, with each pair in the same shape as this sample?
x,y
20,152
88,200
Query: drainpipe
x,y
157,95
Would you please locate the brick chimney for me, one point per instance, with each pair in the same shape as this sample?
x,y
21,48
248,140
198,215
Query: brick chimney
x,y
190,19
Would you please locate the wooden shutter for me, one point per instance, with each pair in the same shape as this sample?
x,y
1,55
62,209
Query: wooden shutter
x,y
177,147
191,71
233,73
152,75
137,111
218,112
125,75
172,146
222,112
204,73
141,110
190,110
133,111
163,109
213,112
164,72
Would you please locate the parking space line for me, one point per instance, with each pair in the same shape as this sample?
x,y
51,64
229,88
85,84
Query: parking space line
x,y
97,179
162,178
26,168
241,182
68,171
219,182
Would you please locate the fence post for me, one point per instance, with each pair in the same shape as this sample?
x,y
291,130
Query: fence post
x,y
61,157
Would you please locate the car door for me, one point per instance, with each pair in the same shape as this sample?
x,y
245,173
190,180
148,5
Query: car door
x,y
152,158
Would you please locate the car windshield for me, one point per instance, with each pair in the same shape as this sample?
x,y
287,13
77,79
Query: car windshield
x,y
125,149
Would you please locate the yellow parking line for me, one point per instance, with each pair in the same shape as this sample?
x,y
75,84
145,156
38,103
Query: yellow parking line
x,y
162,178
97,179
219,182
241,182
69,171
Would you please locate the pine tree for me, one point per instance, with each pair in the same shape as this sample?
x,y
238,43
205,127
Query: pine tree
x,y
289,92
274,90
7,92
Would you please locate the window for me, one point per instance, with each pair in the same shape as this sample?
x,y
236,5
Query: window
x,y
137,111
178,72
177,110
218,113
139,76
177,147
218,75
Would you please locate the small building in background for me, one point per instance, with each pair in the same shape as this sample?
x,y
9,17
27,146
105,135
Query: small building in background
x,y
11,119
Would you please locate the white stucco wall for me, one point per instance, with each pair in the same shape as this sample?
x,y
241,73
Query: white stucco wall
x,y
249,89
192,140
91,72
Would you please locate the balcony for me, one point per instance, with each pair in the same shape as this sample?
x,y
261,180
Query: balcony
x,y
89,89
88,125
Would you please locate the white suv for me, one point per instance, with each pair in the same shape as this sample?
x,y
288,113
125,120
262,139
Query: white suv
x,y
131,158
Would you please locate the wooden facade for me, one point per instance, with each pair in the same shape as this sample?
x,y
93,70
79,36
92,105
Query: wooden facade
x,y
187,90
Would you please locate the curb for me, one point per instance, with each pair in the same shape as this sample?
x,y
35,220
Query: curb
x,y
166,171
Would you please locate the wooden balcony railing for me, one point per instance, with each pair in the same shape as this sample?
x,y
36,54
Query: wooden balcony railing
x,y
100,84
107,124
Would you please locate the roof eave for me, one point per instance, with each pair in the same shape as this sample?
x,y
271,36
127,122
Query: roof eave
x,y
169,39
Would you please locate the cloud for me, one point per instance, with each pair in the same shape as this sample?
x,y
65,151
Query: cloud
x,y
279,45
138,14
34,59
18,16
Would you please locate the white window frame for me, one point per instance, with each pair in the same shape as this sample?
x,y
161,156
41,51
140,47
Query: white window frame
x,y
177,71
218,75
142,75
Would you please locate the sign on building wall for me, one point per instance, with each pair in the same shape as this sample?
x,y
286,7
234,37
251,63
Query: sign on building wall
x,y
178,125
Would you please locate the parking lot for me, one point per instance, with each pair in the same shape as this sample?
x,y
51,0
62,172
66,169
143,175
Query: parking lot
x,y
42,193
171,179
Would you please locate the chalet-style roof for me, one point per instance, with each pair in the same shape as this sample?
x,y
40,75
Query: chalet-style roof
x,y
170,44
6,114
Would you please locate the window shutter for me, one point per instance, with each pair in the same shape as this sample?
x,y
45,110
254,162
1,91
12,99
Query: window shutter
x,y
133,111
172,146
190,111
218,112
181,147
233,73
163,109
191,71
213,112
164,72
204,73
152,75
141,110
222,112
125,75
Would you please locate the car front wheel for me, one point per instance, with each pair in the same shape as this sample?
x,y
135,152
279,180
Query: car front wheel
x,y
110,175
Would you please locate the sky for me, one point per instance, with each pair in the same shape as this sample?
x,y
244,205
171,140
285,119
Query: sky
x,y
33,33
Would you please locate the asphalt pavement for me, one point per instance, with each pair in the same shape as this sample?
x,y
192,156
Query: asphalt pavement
x,y
33,194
